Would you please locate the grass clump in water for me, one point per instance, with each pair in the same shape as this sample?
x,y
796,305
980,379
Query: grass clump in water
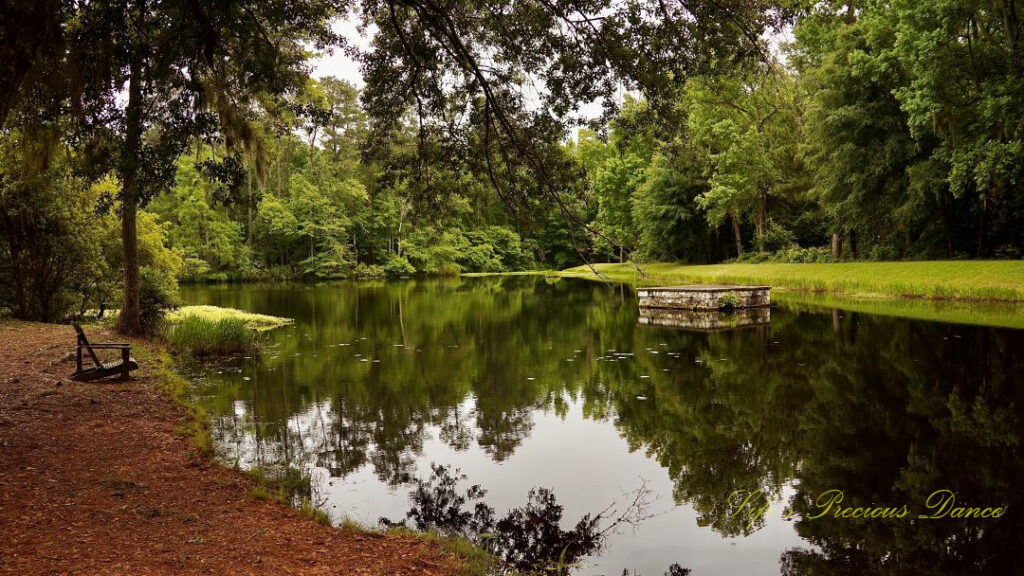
x,y
206,330
201,336
259,322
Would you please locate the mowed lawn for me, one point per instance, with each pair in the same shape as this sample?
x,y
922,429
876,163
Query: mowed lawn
x,y
982,280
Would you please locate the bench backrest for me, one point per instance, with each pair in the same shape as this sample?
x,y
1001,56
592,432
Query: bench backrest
x,y
84,342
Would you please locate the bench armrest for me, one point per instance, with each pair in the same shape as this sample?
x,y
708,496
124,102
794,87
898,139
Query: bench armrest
x,y
106,346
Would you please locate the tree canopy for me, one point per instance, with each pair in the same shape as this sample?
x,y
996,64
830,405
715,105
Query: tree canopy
x,y
881,130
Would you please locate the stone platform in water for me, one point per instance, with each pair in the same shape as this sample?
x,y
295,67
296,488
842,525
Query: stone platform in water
x,y
705,297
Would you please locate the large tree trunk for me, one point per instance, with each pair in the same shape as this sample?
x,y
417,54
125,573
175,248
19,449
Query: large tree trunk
x,y
129,320
736,233
837,245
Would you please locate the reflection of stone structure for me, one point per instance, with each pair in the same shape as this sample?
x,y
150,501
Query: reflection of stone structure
x,y
705,320
704,297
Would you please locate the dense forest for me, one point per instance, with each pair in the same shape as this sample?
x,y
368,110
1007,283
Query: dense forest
x,y
831,131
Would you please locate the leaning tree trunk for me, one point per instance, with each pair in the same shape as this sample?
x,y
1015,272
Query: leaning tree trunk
x,y
736,233
762,217
130,318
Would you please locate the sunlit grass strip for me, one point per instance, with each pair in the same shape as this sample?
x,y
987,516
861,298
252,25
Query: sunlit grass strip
x,y
971,280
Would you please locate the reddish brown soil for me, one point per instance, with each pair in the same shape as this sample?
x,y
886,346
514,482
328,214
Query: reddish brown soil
x,y
94,480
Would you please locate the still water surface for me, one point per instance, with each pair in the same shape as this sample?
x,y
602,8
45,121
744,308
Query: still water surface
x,y
523,382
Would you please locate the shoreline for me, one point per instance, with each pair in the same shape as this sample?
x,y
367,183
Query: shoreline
x,y
115,477
970,311
976,281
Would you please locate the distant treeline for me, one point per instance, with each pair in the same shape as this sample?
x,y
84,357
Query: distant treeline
x,y
893,130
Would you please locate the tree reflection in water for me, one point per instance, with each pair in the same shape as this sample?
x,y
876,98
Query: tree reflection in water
x,y
886,409
528,539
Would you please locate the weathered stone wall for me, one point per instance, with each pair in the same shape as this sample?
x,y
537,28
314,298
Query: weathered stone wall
x,y
710,298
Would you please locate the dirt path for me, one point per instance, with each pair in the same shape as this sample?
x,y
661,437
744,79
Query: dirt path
x,y
94,480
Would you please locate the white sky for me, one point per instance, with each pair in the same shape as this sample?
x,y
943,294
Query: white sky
x,y
338,64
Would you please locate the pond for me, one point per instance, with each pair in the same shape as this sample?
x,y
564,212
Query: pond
x,y
527,382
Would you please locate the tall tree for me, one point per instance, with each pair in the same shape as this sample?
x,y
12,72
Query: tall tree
x,y
965,65
748,128
155,74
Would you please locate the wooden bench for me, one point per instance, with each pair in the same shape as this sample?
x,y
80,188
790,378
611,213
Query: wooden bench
x,y
99,369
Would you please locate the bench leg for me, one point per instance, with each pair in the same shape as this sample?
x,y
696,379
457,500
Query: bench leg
x,y
125,355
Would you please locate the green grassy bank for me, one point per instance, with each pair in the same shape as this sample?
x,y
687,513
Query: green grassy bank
x,y
984,293
966,280
998,314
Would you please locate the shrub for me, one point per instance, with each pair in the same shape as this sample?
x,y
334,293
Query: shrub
x,y
806,255
479,258
776,239
791,255
728,301
397,266
883,253
277,273
1007,252
157,295
369,271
